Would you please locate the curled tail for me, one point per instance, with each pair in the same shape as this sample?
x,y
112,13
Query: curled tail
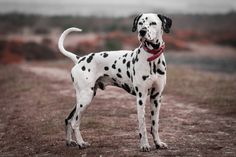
x,y
70,55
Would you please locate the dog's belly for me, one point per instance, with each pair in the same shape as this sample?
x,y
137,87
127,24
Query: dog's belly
x,y
104,81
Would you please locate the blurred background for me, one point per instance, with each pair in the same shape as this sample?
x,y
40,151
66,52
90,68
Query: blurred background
x,y
200,54
29,30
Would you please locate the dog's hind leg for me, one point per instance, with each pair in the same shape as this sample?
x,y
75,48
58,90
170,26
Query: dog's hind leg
x,y
69,130
83,98
155,99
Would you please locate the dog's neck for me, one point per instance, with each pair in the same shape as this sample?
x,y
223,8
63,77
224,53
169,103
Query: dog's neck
x,y
154,52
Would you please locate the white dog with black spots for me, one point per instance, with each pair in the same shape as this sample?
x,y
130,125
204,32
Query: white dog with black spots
x,y
141,72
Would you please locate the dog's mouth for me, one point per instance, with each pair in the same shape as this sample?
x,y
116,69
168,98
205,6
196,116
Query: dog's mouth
x,y
148,44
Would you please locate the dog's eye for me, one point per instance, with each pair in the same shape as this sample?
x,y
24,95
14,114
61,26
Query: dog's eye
x,y
140,23
153,23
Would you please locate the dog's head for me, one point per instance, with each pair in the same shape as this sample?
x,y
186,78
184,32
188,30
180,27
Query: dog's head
x,y
150,28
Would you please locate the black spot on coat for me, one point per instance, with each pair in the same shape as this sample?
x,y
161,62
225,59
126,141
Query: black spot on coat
x,y
106,68
128,74
140,135
128,64
163,62
113,66
154,68
116,84
105,55
101,85
138,51
81,59
133,61
66,121
71,113
90,58
160,72
153,96
83,68
145,77
126,87
133,92
124,60
72,78
140,94
114,80
152,113
125,55
150,66
153,89
136,58
140,102
118,75
153,122
155,103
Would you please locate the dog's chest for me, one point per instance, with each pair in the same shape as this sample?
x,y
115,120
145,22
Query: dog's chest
x,y
148,69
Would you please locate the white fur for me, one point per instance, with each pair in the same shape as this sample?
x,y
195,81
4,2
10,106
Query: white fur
x,y
61,41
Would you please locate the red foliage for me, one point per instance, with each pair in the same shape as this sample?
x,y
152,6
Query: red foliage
x,y
9,53
175,43
15,51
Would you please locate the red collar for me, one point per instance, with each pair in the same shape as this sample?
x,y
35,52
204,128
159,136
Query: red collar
x,y
156,52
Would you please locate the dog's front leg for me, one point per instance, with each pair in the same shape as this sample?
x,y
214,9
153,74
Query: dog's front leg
x,y
155,99
141,101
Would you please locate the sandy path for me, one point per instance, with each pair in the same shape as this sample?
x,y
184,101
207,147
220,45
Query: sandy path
x,y
188,129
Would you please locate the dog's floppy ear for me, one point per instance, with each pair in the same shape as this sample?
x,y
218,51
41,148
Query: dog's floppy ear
x,y
134,28
166,23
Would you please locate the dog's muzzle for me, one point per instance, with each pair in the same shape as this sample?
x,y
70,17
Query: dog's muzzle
x,y
142,32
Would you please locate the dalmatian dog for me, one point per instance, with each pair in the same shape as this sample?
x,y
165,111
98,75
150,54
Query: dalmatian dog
x,y
141,72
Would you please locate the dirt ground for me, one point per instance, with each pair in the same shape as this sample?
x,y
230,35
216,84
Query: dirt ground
x,y
36,99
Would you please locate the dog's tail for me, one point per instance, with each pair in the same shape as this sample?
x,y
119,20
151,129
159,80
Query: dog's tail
x,y
70,55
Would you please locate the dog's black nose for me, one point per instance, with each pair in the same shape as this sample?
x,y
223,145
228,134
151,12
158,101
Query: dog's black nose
x,y
142,32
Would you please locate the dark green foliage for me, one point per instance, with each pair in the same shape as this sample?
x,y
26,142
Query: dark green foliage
x,y
112,44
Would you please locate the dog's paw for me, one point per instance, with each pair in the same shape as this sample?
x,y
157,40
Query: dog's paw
x,y
71,143
145,148
83,145
161,145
